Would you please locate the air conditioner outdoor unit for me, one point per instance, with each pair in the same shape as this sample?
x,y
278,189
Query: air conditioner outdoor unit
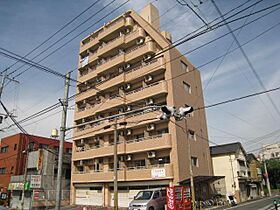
x,y
81,163
121,68
98,79
127,66
128,158
147,58
83,101
148,78
83,120
149,101
151,154
151,127
97,98
128,132
140,41
82,141
127,86
128,108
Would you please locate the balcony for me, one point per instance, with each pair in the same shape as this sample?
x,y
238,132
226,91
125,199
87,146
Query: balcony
x,y
156,142
120,59
135,95
98,129
132,74
146,92
127,174
107,29
121,40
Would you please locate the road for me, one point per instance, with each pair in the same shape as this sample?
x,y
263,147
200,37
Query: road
x,y
262,204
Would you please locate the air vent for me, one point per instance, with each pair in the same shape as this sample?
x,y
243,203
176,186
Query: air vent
x,y
128,132
128,158
151,127
147,58
148,78
140,41
149,101
151,154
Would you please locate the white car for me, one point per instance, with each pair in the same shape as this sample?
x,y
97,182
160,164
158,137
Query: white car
x,y
150,199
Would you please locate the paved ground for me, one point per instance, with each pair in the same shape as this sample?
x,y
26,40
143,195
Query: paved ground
x,y
262,204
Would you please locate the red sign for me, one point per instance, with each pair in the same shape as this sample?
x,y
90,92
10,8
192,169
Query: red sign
x,y
170,198
178,198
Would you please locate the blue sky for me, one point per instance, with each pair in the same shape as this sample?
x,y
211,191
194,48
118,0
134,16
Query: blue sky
x,y
25,24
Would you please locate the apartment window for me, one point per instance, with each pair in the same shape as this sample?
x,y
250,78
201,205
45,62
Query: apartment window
x,y
12,169
187,87
241,163
2,170
15,146
191,135
184,67
194,161
4,149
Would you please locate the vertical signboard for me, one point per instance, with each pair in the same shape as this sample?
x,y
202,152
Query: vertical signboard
x,y
170,198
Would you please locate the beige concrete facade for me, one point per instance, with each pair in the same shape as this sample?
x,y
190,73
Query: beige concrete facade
x,y
118,75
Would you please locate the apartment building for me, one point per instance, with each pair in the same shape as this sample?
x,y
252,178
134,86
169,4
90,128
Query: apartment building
x,y
13,155
271,151
123,66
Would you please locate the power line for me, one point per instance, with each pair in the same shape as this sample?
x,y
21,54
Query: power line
x,y
63,45
59,30
238,98
247,58
186,4
262,33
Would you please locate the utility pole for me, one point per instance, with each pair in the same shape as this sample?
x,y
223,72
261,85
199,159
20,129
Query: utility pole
x,y
191,172
25,174
191,178
115,166
64,103
267,177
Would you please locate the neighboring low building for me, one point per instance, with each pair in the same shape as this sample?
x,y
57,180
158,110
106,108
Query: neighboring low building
x,y
271,151
255,176
229,160
41,181
13,157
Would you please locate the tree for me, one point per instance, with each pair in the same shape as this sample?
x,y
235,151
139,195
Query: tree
x,y
273,169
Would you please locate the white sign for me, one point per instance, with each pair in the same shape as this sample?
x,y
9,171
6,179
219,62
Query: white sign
x,y
158,172
84,61
35,181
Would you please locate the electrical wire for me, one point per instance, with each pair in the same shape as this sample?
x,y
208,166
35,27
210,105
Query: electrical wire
x,y
59,30
63,45
250,64
259,35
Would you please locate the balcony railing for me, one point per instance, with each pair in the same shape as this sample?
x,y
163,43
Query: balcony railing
x,y
87,41
133,168
126,94
121,142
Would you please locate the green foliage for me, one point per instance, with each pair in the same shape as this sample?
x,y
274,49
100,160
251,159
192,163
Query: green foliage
x,y
273,169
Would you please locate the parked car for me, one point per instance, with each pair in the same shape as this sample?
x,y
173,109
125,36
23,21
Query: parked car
x,y
150,199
